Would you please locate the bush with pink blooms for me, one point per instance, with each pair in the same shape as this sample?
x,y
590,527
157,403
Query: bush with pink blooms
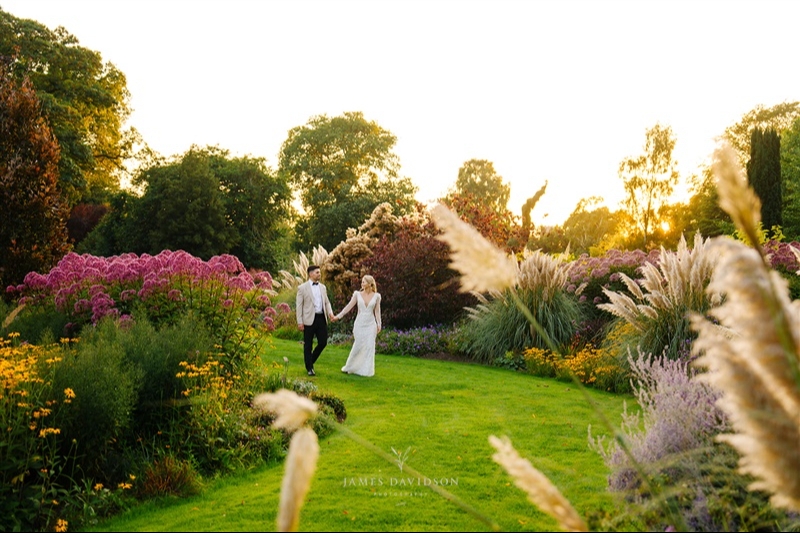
x,y
784,261
233,304
590,275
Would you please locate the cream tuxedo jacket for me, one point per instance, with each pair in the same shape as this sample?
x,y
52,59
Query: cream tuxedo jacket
x,y
305,304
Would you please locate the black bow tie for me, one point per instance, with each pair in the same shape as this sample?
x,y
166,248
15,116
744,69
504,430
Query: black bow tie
x,y
315,283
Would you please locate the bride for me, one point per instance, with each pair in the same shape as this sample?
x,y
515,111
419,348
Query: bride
x,y
366,327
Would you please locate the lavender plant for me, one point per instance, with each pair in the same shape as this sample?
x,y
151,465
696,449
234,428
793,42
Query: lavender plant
x,y
417,341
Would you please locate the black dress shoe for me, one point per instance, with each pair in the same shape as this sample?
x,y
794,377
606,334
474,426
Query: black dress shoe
x,y
312,373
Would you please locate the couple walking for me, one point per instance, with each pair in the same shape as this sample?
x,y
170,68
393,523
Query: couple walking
x,y
314,309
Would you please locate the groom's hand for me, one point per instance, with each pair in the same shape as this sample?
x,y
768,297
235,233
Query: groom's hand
x,y
301,327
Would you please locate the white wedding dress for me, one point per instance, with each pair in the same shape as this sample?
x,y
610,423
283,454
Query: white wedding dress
x,y
362,356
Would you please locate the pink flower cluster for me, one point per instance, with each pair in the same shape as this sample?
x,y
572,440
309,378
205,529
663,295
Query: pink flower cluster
x,y
89,288
599,272
781,257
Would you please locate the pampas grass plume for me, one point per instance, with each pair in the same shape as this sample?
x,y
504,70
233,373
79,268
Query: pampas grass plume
x,y
482,265
301,462
291,409
753,354
539,489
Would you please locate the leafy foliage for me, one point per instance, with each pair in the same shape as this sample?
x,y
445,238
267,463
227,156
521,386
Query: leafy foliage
x,y
411,267
33,215
673,440
84,99
344,167
83,219
764,174
494,222
790,180
478,178
649,180
779,117
205,203
588,225
343,266
705,215
419,341
498,326
232,304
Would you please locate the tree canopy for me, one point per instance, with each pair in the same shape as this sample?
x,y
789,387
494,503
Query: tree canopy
x,y
764,174
477,177
790,179
343,167
649,180
589,225
205,203
779,117
84,100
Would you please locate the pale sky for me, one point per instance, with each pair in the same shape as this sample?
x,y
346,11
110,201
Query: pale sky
x,y
560,91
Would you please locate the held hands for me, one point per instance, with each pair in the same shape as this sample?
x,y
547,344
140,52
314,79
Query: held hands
x,y
333,317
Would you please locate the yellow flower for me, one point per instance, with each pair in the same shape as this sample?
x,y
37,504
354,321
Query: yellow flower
x,y
69,393
61,525
48,431
98,486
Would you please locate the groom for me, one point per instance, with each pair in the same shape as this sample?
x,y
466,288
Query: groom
x,y
313,310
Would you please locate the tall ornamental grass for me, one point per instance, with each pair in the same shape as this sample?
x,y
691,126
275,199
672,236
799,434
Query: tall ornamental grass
x,y
751,348
497,325
657,304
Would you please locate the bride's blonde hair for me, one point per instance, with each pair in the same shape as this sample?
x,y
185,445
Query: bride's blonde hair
x,y
371,282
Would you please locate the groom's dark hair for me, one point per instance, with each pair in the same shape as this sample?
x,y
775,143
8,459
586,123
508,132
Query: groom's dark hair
x,y
310,268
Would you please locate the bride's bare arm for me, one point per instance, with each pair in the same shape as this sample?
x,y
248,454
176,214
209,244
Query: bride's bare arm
x,y
348,307
378,311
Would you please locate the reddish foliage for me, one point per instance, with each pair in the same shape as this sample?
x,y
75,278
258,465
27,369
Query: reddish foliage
x,y
412,273
83,219
33,216
496,226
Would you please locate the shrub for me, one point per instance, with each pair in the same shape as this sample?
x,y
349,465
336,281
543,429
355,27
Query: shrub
x,y
332,401
170,475
673,439
233,305
591,366
783,259
156,356
36,323
411,268
590,276
106,386
342,266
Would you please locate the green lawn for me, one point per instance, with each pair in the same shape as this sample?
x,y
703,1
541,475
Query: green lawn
x,y
444,412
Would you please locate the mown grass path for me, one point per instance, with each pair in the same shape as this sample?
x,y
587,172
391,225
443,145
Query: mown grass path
x,y
442,413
